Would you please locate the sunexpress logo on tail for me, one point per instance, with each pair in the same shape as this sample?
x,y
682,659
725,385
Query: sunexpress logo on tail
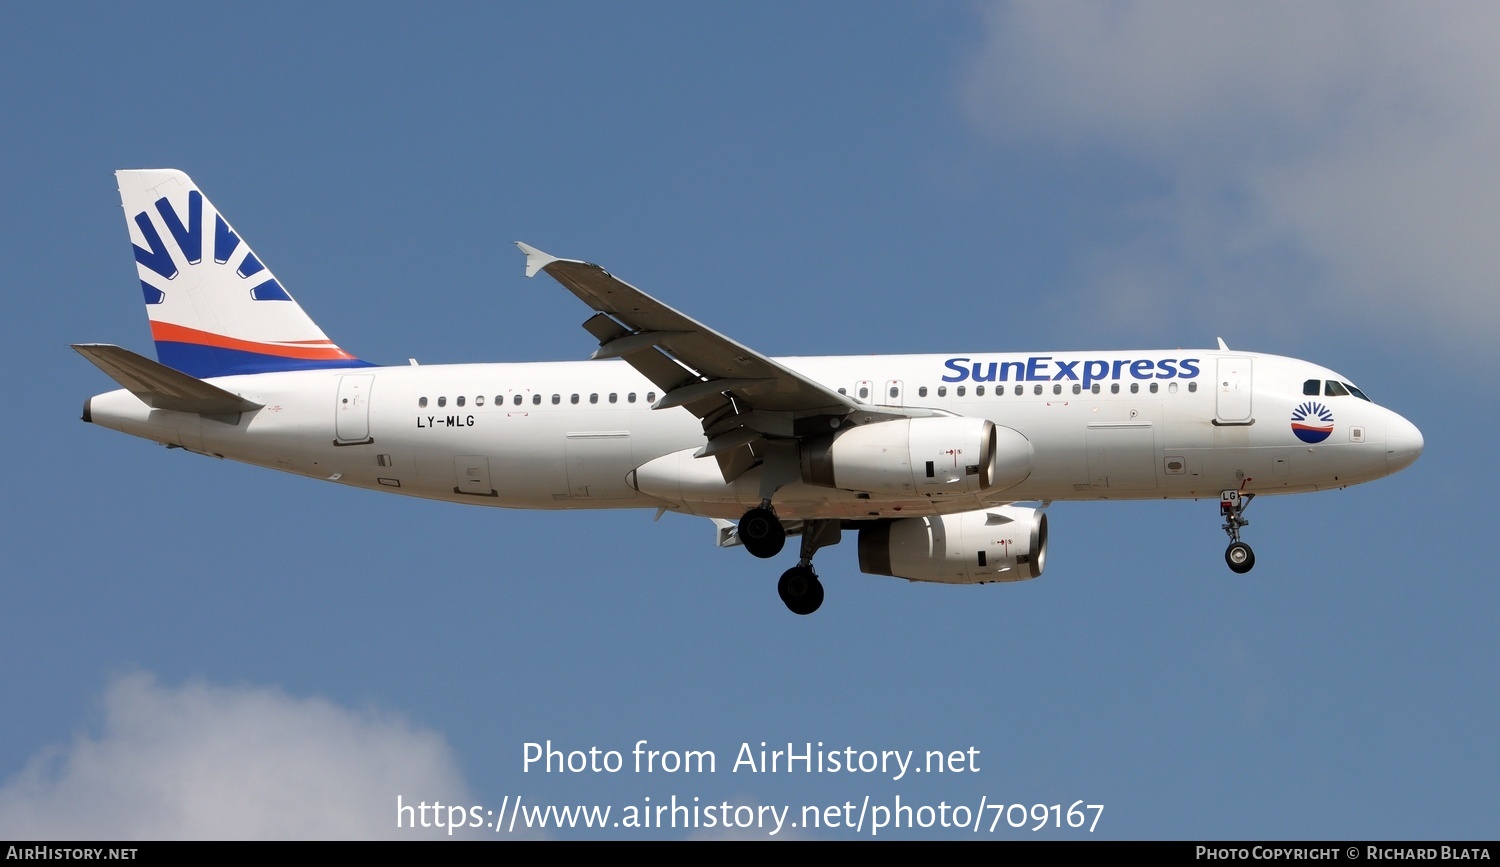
x,y
189,236
1051,368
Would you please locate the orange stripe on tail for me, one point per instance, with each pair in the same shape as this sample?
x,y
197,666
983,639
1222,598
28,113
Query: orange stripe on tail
x,y
324,350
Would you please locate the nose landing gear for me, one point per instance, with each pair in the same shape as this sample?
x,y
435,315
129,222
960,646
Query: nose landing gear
x,y
1232,506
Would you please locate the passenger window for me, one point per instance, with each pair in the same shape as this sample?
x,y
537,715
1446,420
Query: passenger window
x,y
442,401
863,392
1020,390
630,398
942,391
1334,389
1312,386
556,399
843,392
1057,388
536,400
922,392
960,391
422,402
613,397
1037,389
650,397
460,401
593,398
479,401
1114,388
1077,389
1094,388
1172,387
1192,387
573,399
518,399
895,391
979,390
499,400
1135,388
1153,388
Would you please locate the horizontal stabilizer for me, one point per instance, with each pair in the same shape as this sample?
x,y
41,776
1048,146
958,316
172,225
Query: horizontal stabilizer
x,y
161,387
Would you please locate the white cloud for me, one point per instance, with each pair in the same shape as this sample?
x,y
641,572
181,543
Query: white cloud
x,y
211,762
1355,144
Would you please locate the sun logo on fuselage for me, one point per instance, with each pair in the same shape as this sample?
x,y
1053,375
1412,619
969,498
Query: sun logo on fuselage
x,y
1312,422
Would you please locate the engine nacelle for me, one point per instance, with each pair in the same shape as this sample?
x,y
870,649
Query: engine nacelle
x,y
943,455
1005,543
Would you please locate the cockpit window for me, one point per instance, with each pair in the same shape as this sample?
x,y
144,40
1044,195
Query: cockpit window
x,y
1312,386
1334,389
1357,393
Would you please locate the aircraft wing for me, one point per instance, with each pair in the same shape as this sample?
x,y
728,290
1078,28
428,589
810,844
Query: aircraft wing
x,y
695,366
742,396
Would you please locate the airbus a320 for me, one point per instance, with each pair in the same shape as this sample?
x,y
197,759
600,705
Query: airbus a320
x,y
942,465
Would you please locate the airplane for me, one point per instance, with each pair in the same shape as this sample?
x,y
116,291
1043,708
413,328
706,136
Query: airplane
x,y
941,464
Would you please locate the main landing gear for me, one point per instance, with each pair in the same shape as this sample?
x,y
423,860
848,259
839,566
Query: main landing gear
x,y
761,532
800,589
763,535
1232,506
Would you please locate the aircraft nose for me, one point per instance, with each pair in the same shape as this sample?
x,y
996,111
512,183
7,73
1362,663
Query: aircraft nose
x,y
1403,443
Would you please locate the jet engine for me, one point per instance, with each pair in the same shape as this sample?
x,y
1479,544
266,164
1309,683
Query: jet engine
x,y
943,455
1004,543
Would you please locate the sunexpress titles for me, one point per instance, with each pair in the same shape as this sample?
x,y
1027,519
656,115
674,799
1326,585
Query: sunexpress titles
x,y
1050,368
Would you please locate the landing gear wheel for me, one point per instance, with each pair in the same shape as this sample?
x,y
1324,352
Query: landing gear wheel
x,y
1239,557
1232,506
761,533
800,589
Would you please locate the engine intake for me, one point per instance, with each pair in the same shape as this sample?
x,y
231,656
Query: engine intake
x,y
1005,543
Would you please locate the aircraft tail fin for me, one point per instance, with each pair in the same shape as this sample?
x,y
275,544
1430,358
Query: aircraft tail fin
x,y
215,308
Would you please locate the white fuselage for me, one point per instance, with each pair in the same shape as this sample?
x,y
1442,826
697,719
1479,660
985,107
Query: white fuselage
x,y
565,435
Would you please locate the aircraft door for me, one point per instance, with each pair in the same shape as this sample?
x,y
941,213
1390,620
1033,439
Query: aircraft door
x,y
352,419
1234,391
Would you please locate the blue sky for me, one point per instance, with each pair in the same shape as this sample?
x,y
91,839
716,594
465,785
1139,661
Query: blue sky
x,y
197,648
